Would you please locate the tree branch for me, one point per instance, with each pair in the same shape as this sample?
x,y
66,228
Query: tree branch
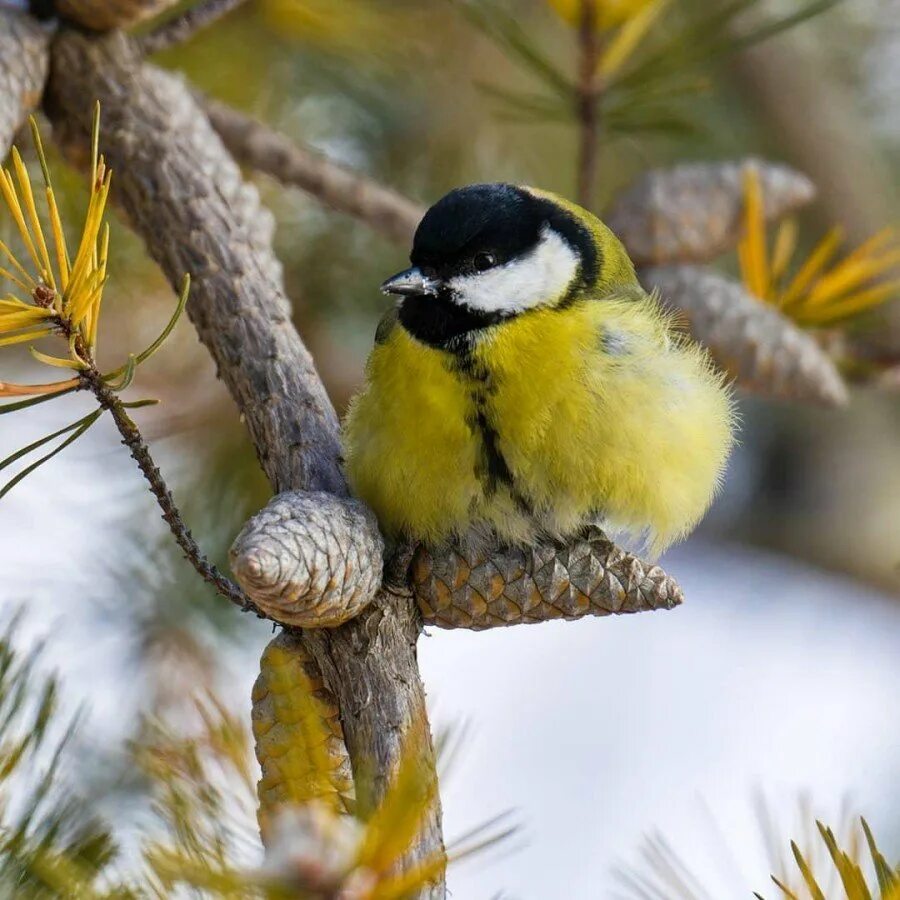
x,y
140,452
182,28
262,148
184,194
24,60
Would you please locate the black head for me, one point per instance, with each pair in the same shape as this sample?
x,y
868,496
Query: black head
x,y
482,253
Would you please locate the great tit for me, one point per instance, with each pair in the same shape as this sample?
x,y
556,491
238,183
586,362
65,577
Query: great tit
x,y
525,385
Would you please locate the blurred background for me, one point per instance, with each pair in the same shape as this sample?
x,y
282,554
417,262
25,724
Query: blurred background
x,y
779,679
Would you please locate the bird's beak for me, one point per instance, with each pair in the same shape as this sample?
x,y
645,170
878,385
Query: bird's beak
x,y
410,283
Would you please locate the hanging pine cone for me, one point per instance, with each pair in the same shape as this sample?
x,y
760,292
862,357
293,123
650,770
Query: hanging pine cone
x,y
299,741
310,560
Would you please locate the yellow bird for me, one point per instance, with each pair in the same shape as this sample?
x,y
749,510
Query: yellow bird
x,y
525,385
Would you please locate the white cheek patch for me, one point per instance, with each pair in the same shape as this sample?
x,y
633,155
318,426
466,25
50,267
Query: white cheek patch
x,y
533,280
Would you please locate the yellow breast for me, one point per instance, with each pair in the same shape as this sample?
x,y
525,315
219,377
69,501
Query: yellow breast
x,y
556,417
409,443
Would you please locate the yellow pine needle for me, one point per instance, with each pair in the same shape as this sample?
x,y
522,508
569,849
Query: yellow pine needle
x,y
26,336
59,241
7,188
83,268
10,389
628,38
88,244
59,238
873,244
55,360
784,249
752,249
95,141
85,301
845,276
811,884
12,321
853,304
14,304
5,273
608,13
30,207
94,314
27,281
817,260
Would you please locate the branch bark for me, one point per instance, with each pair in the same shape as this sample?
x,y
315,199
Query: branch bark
x,y
24,60
262,148
184,194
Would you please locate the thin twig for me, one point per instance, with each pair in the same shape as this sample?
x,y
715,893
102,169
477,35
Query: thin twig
x,y
132,438
588,103
182,28
262,148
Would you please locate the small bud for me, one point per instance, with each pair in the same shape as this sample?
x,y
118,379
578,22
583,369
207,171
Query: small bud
x,y
43,296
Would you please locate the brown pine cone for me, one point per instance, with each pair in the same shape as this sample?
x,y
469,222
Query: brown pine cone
x,y
485,587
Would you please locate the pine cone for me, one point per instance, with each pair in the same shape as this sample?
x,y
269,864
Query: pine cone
x,y
749,339
299,741
692,213
485,587
23,71
310,560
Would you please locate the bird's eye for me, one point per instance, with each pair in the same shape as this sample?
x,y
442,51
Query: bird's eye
x,y
484,261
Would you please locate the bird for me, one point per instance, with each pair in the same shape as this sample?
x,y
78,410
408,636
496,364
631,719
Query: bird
x,y
525,387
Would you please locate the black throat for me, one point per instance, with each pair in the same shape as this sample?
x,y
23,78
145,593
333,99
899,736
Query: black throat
x,y
441,323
